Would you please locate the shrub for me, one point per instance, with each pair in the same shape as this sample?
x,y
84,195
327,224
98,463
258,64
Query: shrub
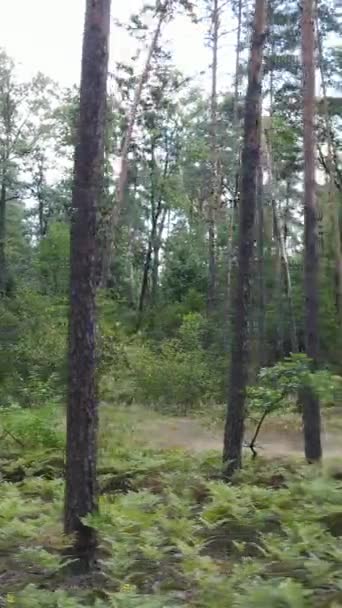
x,y
33,348
178,372
52,260
278,387
32,351
33,429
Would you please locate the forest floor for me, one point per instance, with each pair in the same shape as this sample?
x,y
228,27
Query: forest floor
x,y
172,533
279,436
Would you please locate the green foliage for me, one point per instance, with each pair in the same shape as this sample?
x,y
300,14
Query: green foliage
x,y
176,373
32,429
177,535
32,348
53,260
33,597
185,266
278,389
278,386
171,532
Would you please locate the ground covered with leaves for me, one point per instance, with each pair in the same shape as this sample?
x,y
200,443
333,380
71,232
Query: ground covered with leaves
x,y
171,533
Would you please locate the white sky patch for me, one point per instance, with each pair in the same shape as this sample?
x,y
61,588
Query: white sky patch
x,y
46,36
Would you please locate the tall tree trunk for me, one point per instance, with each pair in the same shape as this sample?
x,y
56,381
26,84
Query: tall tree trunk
x,y
261,344
277,268
80,491
332,195
3,261
236,143
161,10
311,407
234,427
233,212
213,202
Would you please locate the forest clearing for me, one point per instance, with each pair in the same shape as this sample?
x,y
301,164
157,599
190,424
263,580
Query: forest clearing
x,y
171,304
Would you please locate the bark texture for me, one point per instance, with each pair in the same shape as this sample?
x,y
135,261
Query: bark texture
x,y
81,491
234,427
261,304
311,407
232,213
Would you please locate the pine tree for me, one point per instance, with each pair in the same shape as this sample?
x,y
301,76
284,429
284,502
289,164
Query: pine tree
x,y
311,407
234,428
80,493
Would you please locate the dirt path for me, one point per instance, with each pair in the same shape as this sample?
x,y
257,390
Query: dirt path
x,y
190,434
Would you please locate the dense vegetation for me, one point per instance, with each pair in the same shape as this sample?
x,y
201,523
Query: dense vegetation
x,y
172,533
209,228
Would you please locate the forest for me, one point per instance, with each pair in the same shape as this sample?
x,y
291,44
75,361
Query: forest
x,y
171,315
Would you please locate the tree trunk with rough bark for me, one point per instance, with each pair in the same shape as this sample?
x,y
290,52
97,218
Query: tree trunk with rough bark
x,y
261,343
311,406
234,427
81,490
232,213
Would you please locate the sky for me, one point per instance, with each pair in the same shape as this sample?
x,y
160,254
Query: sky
x,y
46,36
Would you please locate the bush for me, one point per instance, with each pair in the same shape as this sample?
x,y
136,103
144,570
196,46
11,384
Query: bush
x,y
278,388
52,261
177,373
32,429
33,349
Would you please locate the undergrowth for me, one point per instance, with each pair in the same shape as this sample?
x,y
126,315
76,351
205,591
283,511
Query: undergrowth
x,y
171,533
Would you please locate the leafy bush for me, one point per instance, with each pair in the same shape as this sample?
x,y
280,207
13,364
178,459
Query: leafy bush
x,y
32,429
278,387
177,373
32,351
33,348
52,260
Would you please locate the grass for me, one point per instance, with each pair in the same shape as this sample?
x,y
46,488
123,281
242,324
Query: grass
x,y
171,533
